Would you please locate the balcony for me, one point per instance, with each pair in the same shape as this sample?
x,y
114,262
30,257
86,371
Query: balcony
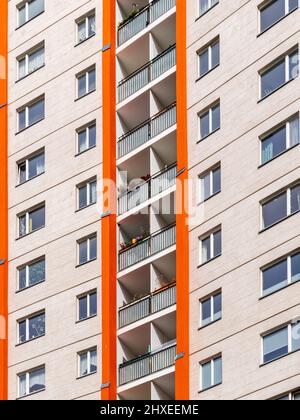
x,y
148,364
147,131
143,18
150,305
148,73
148,247
149,189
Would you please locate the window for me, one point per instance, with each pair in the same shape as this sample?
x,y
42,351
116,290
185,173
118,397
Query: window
x,y
292,396
87,306
280,140
211,246
209,58
210,184
281,206
31,328
86,28
31,382
31,274
31,221
86,82
31,61
210,121
206,5
273,11
280,73
281,274
211,373
87,362
87,194
281,342
28,10
87,249
86,138
211,309
31,114
31,167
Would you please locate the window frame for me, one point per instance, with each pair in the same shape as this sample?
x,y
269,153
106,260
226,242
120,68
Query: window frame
x,y
27,268
208,48
27,378
88,186
213,318
88,311
26,161
212,362
264,5
25,3
87,130
26,56
85,73
27,320
211,237
88,240
26,109
80,20
88,353
210,172
200,14
209,111
27,218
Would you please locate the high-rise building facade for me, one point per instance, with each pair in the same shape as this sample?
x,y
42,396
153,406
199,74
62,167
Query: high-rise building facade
x,y
149,200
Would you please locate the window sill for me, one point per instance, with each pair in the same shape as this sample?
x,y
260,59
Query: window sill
x,y
29,74
30,287
30,20
279,290
207,262
32,125
85,263
209,135
30,341
277,223
277,21
29,395
276,90
208,199
279,358
85,95
207,11
86,376
208,325
85,40
206,74
85,151
208,389
85,319
31,179
278,156
29,234
84,208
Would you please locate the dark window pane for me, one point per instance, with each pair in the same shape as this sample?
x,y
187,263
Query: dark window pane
x,y
83,197
274,145
215,54
296,337
36,166
82,86
204,123
217,181
22,226
273,79
293,4
93,366
206,376
93,304
217,306
22,278
216,118
276,277
204,63
206,253
37,381
206,312
275,210
91,25
22,332
93,248
22,15
37,219
92,136
295,199
276,345
36,326
295,261
22,173
272,13
218,371
83,308
36,112
294,65
22,120
217,244
37,272
93,192
206,187
92,80
82,146
35,8
83,256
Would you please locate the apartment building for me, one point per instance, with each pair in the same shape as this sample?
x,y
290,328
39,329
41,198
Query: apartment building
x,y
150,196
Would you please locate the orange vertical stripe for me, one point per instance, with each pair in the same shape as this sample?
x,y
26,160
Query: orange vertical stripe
x,y
109,223
3,202
182,377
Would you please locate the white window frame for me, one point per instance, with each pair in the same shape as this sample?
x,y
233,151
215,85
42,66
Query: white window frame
x,y
86,75
81,20
88,310
286,59
26,109
209,173
87,137
209,49
88,353
211,237
209,111
27,320
26,5
26,56
88,240
264,6
86,185
27,268
26,214
27,375
212,367
26,161
212,301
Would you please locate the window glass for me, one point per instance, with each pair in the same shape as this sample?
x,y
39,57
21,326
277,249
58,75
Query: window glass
x,y
22,278
37,381
83,314
22,332
206,312
22,15
215,54
93,367
36,165
217,307
36,112
91,25
83,364
205,125
275,277
276,345
22,120
206,253
295,199
93,192
22,68
92,80
83,252
293,65
82,85
216,181
206,187
81,30
93,248
273,78
275,210
295,261
83,197
217,371
216,119
217,244
35,7
22,173
22,385
274,144
204,63
93,304
92,135
36,60
206,375
37,219
296,336
273,12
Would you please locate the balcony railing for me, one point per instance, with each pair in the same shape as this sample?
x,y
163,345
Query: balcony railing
x,y
141,20
147,131
150,246
151,71
147,365
140,194
156,302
